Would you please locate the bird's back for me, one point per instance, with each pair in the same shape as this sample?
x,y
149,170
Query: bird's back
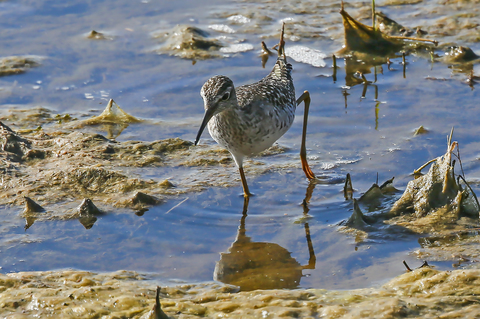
x,y
266,111
276,89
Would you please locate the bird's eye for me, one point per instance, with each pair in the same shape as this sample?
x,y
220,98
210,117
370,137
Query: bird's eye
x,y
226,96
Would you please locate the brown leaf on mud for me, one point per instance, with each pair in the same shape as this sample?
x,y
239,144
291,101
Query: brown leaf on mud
x,y
365,39
362,38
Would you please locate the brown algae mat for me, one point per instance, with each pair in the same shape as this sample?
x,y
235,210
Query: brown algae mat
x,y
423,292
61,166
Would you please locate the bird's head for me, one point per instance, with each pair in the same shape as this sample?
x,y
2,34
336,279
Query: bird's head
x,y
218,95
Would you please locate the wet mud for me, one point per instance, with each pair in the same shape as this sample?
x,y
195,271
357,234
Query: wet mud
x,y
60,166
418,293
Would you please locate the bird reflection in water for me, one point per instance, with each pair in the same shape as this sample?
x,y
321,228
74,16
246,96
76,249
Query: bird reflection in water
x,y
260,265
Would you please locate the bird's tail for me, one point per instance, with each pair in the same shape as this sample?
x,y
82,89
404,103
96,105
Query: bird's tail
x,y
281,44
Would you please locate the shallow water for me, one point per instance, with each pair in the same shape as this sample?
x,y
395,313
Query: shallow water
x,y
363,136
185,242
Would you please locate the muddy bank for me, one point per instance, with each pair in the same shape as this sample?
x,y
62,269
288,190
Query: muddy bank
x,y
422,292
61,165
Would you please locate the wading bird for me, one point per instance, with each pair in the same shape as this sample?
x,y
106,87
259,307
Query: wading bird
x,y
248,119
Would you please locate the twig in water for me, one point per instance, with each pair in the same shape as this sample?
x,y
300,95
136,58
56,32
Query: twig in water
x,y
334,75
425,264
373,16
183,201
449,138
414,39
471,190
406,265
418,170
265,49
347,188
459,160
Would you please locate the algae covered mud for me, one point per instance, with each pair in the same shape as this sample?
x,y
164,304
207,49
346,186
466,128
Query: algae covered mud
x,y
73,294
99,187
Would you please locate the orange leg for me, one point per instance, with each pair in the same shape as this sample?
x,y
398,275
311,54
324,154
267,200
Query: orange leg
x,y
246,191
305,98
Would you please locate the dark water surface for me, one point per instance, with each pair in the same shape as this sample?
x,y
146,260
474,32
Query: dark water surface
x,y
183,239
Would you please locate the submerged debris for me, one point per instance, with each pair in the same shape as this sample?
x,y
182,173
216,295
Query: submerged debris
x,y
17,64
86,213
420,130
31,207
358,220
362,38
265,54
113,120
438,189
14,146
156,312
142,198
112,114
390,27
425,264
166,184
365,39
437,202
94,35
140,201
189,42
30,212
460,54
87,207
373,197
348,188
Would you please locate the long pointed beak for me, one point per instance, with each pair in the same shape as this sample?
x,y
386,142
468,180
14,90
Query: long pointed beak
x,y
208,115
